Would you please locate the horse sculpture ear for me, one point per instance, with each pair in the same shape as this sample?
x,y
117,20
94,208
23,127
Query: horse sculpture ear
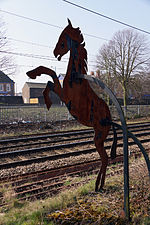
x,y
69,22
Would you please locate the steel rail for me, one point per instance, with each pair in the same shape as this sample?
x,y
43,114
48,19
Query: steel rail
x,y
62,134
59,156
138,129
55,147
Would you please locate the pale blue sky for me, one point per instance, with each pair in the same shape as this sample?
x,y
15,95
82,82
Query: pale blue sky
x,y
56,12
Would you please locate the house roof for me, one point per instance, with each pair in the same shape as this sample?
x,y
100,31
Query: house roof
x,y
35,85
4,78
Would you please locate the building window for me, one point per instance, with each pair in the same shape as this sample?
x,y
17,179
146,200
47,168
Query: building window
x,y
1,87
8,87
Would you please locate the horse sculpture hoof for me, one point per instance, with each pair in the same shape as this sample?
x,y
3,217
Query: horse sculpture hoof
x,y
101,190
46,98
31,74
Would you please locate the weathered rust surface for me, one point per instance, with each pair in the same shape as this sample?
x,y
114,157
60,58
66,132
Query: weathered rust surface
x,y
81,101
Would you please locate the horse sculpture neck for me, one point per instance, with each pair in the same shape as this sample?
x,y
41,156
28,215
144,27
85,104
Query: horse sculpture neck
x,y
77,61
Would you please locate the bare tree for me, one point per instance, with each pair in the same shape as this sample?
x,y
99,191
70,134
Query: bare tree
x,y
104,67
6,60
125,55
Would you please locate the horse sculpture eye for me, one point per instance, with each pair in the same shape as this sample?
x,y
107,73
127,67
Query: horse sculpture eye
x,y
62,45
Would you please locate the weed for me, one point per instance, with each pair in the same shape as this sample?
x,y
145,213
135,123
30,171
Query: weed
x,y
8,194
83,206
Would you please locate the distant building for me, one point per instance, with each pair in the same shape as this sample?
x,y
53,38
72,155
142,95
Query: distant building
x,y
61,78
7,91
6,85
33,93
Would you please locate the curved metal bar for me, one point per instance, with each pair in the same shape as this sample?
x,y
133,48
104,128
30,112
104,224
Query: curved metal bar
x,y
130,134
125,136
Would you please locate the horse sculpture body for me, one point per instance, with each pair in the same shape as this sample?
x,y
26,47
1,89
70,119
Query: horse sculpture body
x,y
76,93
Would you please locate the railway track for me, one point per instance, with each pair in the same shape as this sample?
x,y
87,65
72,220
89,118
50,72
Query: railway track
x,y
15,152
45,182
42,184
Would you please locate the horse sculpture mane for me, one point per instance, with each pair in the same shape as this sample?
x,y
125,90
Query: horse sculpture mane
x,y
76,35
82,57
81,101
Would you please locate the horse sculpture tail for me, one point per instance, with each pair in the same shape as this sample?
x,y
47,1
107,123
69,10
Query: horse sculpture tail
x,y
114,145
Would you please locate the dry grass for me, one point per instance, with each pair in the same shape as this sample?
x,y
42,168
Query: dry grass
x,y
81,205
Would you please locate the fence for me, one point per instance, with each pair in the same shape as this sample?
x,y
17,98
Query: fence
x,y
133,111
35,114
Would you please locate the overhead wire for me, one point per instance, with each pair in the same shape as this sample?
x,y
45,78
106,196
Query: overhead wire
x,y
31,55
31,19
28,42
28,66
45,23
36,44
59,27
43,57
106,17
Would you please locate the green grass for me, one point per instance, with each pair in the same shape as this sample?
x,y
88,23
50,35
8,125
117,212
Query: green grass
x,y
81,204
33,212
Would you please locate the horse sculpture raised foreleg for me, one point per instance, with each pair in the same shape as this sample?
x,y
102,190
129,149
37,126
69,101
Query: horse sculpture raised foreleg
x,y
55,87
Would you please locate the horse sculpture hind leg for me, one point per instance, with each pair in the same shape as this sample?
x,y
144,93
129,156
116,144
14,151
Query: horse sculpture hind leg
x,y
104,160
101,133
49,87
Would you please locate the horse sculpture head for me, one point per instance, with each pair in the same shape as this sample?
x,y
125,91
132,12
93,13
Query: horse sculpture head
x,y
64,43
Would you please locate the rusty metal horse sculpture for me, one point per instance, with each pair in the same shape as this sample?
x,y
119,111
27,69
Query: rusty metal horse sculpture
x,y
81,101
